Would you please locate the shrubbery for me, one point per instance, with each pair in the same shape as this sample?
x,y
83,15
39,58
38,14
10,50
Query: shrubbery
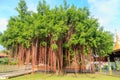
x,y
117,65
105,67
5,61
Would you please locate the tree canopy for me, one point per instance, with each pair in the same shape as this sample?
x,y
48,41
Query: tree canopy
x,y
61,34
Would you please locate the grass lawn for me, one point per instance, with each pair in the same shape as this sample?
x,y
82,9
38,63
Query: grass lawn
x,y
42,76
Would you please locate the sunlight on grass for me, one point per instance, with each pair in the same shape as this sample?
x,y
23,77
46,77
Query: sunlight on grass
x,y
42,76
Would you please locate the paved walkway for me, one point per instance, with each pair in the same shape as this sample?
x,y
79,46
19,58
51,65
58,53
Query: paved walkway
x,y
9,74
14,73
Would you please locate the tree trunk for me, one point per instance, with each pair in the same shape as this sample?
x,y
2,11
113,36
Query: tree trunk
x,y
33,57
83,68
28,56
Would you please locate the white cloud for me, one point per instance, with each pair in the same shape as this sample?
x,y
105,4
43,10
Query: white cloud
x,y
107,12
3,24
1,47
31,5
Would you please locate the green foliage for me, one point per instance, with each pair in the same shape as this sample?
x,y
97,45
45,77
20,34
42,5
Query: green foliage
x,y
43,43
117,65
105,67
74,27
13,62
54,47
104,43
4,60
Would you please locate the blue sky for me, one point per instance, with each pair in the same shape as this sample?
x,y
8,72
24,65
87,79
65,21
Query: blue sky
x,y
107,11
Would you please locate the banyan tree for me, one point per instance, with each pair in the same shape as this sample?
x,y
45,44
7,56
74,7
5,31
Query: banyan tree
x,y
56,38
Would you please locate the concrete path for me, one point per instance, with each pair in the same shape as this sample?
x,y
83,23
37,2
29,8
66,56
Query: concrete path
x,y
14,73
21,71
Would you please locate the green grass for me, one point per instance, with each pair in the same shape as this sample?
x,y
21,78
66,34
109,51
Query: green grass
x,y
42,76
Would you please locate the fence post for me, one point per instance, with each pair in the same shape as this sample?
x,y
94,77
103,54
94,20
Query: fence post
x,y
109,66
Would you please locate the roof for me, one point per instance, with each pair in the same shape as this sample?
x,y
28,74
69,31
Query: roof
x,y
116,50
3,55
117,44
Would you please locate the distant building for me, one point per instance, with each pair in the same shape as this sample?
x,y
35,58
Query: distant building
x,y
115,56
3,55
116,52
